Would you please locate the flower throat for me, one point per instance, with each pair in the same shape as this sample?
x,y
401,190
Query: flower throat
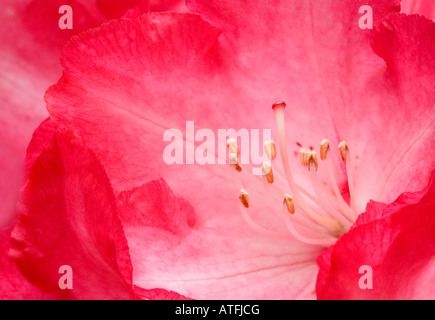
x,y
317,218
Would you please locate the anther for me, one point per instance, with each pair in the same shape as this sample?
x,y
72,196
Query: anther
x,y
324,147
232,146
267,171
314,159
304,155
288,201
307,157
270,149
343,150
244,198
235,162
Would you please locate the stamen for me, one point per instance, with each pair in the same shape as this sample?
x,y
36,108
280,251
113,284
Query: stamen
x,y
270,149
301,189
267,171
345,209
288,201
244,198
322,216
324,147
343,150
232,146
314,160
235,162
345,154
267,232
322,193
324,242
304,155
261,229
307,157
333,225
245,203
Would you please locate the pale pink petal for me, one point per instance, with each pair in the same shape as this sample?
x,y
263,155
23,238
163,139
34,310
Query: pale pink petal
x,y
175,249
423,7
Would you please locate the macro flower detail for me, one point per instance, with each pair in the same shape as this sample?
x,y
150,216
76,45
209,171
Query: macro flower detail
x,y
348,183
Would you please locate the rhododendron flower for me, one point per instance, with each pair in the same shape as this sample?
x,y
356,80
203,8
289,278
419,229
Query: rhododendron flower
x,y
363,197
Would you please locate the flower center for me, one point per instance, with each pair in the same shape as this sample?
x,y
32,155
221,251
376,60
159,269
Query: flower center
x,y
317,217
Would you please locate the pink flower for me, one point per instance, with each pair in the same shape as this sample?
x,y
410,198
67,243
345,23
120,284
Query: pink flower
x,y
165,231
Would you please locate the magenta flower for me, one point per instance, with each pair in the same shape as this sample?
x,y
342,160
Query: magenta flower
x,y
101,198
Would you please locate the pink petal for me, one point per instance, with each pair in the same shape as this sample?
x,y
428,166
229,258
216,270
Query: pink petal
x,y
167,5
393,126
157,294
174,249
116,9
423,7
67,216
142,97
14,286
396,241
42,136
31,45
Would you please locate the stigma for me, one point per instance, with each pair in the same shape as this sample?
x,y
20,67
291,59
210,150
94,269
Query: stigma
x,y
317,216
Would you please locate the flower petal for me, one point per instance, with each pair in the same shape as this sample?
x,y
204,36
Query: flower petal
x,y
67,215
218,258
423,7
403,153
14,286
31,45
157,294
399,247
42,136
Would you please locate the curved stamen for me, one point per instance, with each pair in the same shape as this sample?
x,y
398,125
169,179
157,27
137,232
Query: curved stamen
x,y
321,191
345,209
245,203
345,154
333,225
